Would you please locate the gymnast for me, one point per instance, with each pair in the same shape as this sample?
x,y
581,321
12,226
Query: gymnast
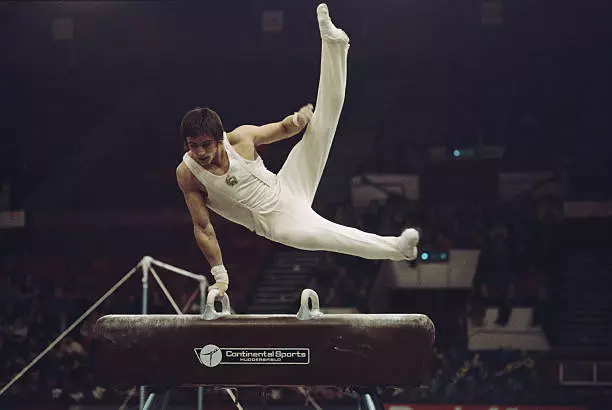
x,y
223,172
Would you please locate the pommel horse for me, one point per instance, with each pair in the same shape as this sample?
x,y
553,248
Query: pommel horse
x,y
358,351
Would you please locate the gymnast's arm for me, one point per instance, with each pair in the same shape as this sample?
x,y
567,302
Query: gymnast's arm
x,y
202,228
266,134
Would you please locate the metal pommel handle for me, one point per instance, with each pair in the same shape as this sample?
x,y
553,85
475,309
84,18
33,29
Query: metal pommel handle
x,y
209,311
305,312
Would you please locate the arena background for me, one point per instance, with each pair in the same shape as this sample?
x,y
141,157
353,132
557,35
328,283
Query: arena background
x,y
486,124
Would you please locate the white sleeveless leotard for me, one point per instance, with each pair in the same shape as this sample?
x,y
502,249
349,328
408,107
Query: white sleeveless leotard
x,y
247,190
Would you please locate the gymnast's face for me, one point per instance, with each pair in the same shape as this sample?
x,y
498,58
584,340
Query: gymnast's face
x,y
203,148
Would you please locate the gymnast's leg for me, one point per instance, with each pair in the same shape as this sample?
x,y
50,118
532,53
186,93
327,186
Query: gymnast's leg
x,y
304,166
302,228
294,223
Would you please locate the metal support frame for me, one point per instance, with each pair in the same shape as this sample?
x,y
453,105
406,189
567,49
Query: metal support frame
x,y
147,268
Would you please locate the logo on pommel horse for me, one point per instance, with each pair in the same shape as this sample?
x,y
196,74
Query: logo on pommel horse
x,y
210,355
213,355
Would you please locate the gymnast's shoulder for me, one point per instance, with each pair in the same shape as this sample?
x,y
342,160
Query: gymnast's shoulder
x,y
187,182
240,134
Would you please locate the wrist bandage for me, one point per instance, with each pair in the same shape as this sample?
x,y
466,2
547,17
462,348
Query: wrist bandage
x,y
294,118
220,274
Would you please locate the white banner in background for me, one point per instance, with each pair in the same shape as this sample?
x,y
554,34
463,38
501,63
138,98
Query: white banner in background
x,y
12,219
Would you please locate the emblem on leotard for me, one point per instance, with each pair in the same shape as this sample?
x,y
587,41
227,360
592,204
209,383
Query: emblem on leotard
x,y
231,180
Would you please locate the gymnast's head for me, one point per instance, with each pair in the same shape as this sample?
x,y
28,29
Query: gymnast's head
x,y
202,133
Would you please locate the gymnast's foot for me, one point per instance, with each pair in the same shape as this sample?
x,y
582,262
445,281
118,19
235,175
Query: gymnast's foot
x,y
407,243
327,28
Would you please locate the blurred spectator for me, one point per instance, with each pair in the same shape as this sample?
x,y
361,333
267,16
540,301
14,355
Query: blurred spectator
x,y
371,217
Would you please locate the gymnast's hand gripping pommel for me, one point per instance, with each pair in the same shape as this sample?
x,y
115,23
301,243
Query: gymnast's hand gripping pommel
x,y
219,272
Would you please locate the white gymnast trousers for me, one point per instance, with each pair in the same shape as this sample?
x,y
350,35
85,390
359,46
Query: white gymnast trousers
x,y
294,223
278,207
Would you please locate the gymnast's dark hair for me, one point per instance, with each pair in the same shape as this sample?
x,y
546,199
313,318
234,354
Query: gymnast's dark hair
x,y
201,121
